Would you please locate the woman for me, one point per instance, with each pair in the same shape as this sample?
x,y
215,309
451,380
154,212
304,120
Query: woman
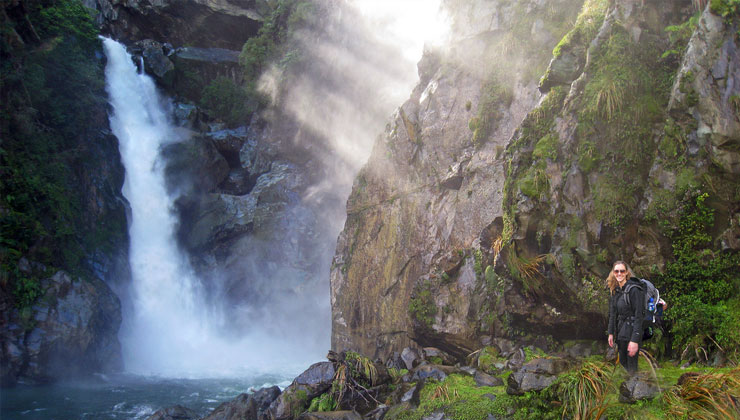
x,y
625,317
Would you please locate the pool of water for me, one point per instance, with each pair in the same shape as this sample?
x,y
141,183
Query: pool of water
x,y
125,396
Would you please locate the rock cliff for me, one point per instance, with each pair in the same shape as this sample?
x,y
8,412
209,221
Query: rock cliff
x,y
61,210
72,330
198,23
489,212
261,197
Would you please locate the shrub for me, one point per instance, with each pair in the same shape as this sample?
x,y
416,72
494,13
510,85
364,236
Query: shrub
x,y
50,97
226,101
701,284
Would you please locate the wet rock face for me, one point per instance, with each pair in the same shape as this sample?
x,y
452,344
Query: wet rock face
x,y
506,220
431,191
200,23
70,331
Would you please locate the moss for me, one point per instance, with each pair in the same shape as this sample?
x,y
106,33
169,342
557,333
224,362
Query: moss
x,y
494,95
535,183
488,358
586,27
494,283
614,201
422,308
435,360
546,147
478,262
458,397
298,402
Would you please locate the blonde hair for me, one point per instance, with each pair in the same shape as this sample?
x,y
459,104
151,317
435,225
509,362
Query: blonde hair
x,y
611,279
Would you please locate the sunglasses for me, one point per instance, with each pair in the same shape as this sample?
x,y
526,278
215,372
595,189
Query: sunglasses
x,y
620,271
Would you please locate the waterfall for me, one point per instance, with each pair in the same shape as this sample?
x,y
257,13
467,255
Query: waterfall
x,y
170,330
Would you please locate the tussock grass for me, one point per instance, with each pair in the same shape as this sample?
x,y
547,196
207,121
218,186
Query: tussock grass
x,y
705,396
610,97
354,373
443,392
584,391
496,247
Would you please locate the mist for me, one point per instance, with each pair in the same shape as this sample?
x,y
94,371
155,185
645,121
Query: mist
x,y
266,307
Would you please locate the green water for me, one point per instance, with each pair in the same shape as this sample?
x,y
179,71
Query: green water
x,y
125,396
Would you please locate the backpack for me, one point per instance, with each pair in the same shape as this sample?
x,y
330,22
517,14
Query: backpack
x,y
653,313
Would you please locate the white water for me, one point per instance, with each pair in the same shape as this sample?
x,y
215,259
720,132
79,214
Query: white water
x,y
168,329
171,331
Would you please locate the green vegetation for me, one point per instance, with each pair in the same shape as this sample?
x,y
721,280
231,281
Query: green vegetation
x,y
702,286
679,36
227,101
232,103
587,25
487,359
458,397
324,402
729,9
702,396
421,306
494,96
52,91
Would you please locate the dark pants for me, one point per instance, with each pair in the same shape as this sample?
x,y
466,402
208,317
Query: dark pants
x,y
629,363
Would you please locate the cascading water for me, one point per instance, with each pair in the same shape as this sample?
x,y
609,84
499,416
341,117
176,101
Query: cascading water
x,y
169,328
171,331
167,318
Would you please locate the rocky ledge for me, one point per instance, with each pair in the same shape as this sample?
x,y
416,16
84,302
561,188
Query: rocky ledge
x,y
489,384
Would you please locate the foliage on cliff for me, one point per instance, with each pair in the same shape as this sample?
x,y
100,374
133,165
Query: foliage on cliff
x,y
234,102
52,90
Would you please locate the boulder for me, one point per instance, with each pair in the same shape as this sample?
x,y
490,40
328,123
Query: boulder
x,y
316,379
331,415
516,360
437,415
395,361
437,356
429,371
246,406
536,375
563,70
156,63
410,357
484,379
546,366
176,412
294,400
521,382
378,413
412,395
636,388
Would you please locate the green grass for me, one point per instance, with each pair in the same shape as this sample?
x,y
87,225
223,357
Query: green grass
x,y
458,397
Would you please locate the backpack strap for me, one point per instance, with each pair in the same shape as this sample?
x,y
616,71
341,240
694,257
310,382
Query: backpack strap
x,y
626,292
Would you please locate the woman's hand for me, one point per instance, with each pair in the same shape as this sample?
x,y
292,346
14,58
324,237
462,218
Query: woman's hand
x,y
611,340
632,349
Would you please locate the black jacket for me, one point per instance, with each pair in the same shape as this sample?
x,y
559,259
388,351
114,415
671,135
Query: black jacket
x,y
625,319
